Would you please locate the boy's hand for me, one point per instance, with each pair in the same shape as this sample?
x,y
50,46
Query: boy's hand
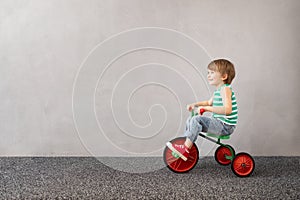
x,y
190,107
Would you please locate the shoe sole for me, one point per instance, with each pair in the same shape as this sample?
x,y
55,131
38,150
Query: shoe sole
x,y
170,146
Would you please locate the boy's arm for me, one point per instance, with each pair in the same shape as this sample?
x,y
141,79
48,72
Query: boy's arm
x,y
226,109
210,102
203,103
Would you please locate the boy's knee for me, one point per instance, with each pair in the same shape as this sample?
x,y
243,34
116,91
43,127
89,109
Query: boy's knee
x,y
195,119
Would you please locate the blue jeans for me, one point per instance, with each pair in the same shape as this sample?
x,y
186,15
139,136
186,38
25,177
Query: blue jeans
x,y
198,123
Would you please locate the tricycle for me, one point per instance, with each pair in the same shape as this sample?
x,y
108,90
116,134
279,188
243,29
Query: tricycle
x,y
242,164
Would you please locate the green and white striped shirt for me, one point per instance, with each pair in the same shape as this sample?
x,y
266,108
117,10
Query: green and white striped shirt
x,y
217,102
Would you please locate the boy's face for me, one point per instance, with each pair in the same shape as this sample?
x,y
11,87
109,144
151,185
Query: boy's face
x,y
215,78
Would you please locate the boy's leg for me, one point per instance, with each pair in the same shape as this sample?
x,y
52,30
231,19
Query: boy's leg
x,y
188,143
209,125
196,125
187,124
219,128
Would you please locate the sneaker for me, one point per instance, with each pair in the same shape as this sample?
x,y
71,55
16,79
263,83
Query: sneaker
x,y
179,149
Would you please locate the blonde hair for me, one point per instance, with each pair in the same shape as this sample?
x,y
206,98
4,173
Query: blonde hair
x,y
224,67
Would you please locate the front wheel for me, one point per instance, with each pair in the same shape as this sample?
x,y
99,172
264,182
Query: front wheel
x,y
176,164
243,165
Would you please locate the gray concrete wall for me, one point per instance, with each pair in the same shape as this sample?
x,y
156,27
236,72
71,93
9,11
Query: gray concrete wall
x,y
43,46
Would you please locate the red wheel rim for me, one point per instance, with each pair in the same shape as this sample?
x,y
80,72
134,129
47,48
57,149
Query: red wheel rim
x,y
221,154
243,165
177,164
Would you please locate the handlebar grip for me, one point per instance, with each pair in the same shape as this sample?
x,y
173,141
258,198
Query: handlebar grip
x,y
202,110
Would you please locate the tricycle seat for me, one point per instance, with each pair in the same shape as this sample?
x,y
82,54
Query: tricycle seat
x,y
222,137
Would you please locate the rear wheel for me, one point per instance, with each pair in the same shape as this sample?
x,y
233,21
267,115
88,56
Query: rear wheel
x,y
175,163
243,165
224,154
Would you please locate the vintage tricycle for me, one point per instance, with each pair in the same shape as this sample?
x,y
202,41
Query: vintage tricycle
x,y
242,164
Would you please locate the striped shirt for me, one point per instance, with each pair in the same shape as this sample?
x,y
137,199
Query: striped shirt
x,y
217,102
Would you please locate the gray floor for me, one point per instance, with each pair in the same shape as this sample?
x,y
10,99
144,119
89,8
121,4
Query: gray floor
x,y
87,178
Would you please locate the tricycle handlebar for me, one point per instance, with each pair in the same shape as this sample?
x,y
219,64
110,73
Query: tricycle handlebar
x,y
202,110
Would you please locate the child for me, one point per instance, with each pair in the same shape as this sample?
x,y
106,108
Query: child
x,y
223,105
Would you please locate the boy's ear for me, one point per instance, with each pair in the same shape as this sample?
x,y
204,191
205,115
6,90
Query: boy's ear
x,y
224,77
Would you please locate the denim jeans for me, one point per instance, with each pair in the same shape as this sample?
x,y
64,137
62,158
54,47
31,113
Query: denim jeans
x,y
199,123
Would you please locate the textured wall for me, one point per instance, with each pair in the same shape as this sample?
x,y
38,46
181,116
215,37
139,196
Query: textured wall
x,y
44,43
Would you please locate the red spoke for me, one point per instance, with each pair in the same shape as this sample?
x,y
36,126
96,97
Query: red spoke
x,y
193,151
249,161
238,162
178,165
171,159
191,158
239,167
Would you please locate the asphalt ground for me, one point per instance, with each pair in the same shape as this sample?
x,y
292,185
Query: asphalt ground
x,y
88,178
